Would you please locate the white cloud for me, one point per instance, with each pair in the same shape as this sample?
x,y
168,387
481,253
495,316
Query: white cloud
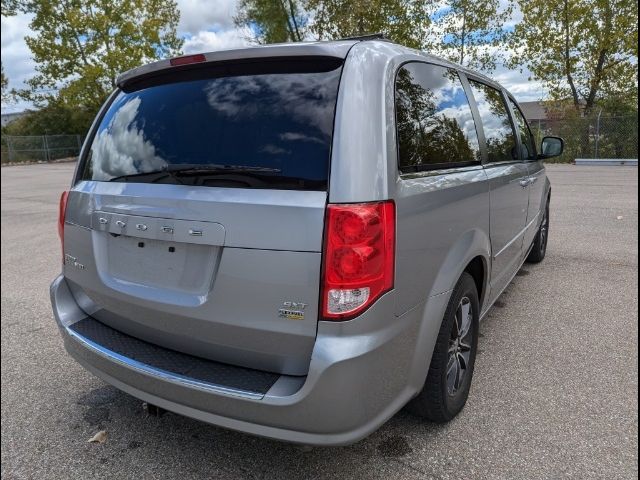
x,y
211,41
518,83
16,57
121,149
199,15
13,29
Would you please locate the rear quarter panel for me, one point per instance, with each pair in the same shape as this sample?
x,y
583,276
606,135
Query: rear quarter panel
x,y
442,224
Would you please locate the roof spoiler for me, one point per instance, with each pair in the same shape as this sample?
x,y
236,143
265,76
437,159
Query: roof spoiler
x,y
336,49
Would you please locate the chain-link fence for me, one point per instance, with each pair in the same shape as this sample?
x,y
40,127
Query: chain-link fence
x,y
596,136
39,148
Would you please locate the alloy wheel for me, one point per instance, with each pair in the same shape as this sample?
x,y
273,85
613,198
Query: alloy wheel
x,y
460,343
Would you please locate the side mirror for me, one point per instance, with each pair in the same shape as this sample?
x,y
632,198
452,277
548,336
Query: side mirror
x,y
552,147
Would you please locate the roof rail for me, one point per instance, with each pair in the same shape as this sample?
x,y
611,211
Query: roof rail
x,y
368,36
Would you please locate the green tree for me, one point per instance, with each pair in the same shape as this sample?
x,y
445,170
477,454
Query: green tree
x,y
581,50
80,46
469,31
55,118
5,84
273,21
402,21
9,7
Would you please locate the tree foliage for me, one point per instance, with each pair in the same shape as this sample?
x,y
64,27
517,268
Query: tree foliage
x,y
402,21
4,84
80,46
273,21
9,8
55,118
580,49
469,32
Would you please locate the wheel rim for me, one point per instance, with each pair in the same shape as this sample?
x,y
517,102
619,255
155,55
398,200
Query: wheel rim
x,y
460,346
544,231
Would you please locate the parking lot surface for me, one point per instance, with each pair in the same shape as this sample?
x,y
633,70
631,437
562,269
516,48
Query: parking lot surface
x,y
554,393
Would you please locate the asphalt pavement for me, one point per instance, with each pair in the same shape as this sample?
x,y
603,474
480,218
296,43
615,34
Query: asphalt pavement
x,y
555,391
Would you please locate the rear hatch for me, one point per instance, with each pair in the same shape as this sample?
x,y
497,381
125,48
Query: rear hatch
x,y
197,216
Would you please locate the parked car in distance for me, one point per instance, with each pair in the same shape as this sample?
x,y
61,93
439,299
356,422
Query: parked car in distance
x,y
296,241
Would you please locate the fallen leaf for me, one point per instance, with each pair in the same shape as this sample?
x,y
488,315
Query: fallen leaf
x,y
99,437
304,448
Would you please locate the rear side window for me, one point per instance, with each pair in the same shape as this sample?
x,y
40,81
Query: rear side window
x,y
526,137
498,131
257,130
434,122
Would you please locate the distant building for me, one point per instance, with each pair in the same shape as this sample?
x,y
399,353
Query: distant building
x,y
541,111
534,111
7,118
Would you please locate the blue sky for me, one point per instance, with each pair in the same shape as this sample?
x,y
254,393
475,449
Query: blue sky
x,y
206,26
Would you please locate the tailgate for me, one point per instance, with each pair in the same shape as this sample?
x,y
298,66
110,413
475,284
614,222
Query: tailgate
x,y
236,280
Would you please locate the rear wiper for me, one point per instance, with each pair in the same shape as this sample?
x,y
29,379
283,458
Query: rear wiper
x,y
177,169
187,168
159,174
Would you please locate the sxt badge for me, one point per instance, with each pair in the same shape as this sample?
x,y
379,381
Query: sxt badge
x,y
292,310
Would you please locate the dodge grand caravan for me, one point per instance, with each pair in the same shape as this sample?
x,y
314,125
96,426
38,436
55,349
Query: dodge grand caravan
x,y
296,241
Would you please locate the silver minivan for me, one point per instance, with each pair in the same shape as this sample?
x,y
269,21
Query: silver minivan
x,y
296,241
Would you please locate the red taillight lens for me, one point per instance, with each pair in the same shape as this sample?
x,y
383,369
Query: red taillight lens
x,y
187,59
61,213
359,254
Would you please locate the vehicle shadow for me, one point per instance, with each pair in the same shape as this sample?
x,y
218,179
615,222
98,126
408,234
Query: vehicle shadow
x,y
206,451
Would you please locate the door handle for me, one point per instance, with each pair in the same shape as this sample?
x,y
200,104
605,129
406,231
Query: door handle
x,y
524,183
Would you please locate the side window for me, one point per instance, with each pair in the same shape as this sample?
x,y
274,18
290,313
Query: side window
x,y
528,144
433,119
498,131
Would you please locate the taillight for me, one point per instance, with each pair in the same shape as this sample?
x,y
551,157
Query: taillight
x,y
358,262
187,59
61,213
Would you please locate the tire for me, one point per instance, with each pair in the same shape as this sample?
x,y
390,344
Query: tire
x,y
539,248
444,394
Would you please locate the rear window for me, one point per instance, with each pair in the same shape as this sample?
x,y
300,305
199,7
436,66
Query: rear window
x,y
258,130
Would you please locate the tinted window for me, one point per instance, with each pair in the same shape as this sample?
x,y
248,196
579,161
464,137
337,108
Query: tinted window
x,y
280,122
501,139
526,138
434,121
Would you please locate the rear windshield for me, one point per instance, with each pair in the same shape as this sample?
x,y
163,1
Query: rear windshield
x,y
258,130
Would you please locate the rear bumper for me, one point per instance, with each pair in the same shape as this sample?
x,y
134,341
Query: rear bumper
x,y
361,373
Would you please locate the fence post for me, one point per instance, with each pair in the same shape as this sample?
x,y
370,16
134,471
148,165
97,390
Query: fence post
x,y
9,148
79,144
45,148
597,134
